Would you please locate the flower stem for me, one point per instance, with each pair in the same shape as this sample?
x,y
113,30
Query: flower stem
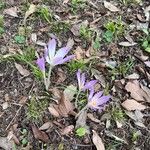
x,y
76,100
48,79
44,79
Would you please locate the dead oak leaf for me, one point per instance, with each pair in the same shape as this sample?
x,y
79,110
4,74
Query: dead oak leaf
x,y
79,52
6,144
53,111
111,7
46,125
67,130
61,76
40,135
91,117
64,107
136,92
11,11
97,141
21,70
131,104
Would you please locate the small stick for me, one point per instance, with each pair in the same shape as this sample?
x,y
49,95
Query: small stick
x,y
13,118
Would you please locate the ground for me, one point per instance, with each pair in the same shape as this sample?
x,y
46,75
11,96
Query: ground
x,y
111,44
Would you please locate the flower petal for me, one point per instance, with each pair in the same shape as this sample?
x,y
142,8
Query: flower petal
x,y
97,95
82,80
62,52
103,100
89,85
51,48
41,63
91,94
63,60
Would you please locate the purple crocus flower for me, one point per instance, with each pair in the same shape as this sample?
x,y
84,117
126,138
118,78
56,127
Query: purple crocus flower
x,y
55,58
97,101
83,85
41,63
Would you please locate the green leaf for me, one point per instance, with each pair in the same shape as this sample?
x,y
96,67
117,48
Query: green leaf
x,y
1,30
108,36
81,131
20,39
148,49
96,44
145,44
24,141
145,31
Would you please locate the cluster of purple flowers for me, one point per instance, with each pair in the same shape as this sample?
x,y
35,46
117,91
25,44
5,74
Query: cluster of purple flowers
x,y
96,101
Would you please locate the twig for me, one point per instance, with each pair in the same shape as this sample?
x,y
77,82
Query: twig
x,y
13,118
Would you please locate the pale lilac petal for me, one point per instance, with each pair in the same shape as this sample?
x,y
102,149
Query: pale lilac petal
x,y
62,52
90,84
41,63
91,94
97,95
82,80
103,100
64,60
56,60
46,52
51,48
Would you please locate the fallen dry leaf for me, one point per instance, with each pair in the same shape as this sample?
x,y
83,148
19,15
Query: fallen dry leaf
x,y
97,141
53,111
30,11
6,144
21,70
137,116
90,116
39,135
147,63
46,125
81,121
67,130
34,37
133,76
131,104
70,43
65,1
56,93
5,105
147,13
23,100
147,91
69,92
111,7
79,52
136,92
61,76
11,11
64,106
127,44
